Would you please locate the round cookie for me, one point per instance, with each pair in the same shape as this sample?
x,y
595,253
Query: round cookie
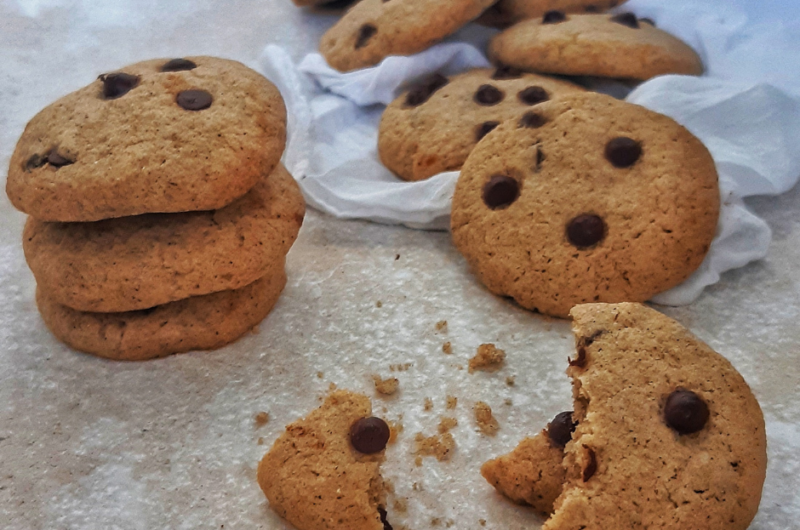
x,y
157,136
197,323
585,199
629,464
374,29
315,478
137,262
432,127
507,12
619,46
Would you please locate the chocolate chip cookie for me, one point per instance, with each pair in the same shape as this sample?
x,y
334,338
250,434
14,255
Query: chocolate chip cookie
x,y
137,262
374,29
157,136
432,127
198,323
507,12
584,199
324,471
618,46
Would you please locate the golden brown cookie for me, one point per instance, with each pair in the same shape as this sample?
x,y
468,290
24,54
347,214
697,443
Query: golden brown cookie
x,y
317,475
198,323
137,262
433,126
507,12
619,46
157,136
374,29
585,199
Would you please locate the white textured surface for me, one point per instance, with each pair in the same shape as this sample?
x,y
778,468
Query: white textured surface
x,y
92,444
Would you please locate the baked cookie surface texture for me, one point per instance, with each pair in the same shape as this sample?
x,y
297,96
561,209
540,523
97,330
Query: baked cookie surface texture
x,y
138,262
507,12
668,435
374,29
605,45
433,126
314,476
157,136
585,199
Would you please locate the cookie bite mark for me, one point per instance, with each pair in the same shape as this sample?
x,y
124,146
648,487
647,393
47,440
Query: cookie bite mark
x,y
118,84
423,92
194,100
586,231
554,17
178,65
365,33
626,19
500,192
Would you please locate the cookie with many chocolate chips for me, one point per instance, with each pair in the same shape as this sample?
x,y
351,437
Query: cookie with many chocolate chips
x,y
142,261
668,435
374,29
507,12
197,323
584,199
432,127
324,471
158,136
618,46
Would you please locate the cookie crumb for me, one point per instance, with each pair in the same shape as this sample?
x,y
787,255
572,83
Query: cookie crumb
x,y
379,304
482,522
488,358
387,387
452,401
255,330
441,326
440,445
260,441
418,461
332,387
417,487
445,424
435,521
395,428
400,505
396,257
261,419
320,375
399,367
511,380
428,404
508,402
447,348
486,422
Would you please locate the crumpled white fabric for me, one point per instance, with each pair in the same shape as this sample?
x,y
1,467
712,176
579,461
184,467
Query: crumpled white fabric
x,y
746,109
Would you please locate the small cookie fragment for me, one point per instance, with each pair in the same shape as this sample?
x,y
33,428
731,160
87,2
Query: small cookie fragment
x,y
261,419
486,421
386,387
445,424
440,446
315,478
488,358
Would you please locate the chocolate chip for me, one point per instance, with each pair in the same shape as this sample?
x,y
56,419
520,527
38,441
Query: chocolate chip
x,y
488,95
685,411
507,72
623,151
178,65
56,160
580,361
117,85
591,467
422,92
533,95
626,19
500,192
35,161
561,428
586,230
369,435
647,20
554,17
366,32
532,120
382,512
194,99
485,128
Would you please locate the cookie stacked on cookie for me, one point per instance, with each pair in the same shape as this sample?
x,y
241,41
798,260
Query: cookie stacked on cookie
x,y
160,215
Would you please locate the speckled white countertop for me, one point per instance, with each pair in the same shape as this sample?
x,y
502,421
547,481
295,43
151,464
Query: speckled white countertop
x,y
92,444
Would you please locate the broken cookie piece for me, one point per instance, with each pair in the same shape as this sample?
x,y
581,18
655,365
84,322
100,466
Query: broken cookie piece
x,y
668,433
488,358
324,471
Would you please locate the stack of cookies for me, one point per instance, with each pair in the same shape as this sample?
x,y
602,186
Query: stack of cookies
x,y
160,215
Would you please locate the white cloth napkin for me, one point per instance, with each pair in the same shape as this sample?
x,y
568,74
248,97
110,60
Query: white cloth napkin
x,y
746,109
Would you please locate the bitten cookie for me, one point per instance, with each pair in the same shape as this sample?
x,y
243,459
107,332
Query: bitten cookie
x,y
197,323
324,471
137,262
432,127
585,199
157,136
507,12
619,46
374,29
